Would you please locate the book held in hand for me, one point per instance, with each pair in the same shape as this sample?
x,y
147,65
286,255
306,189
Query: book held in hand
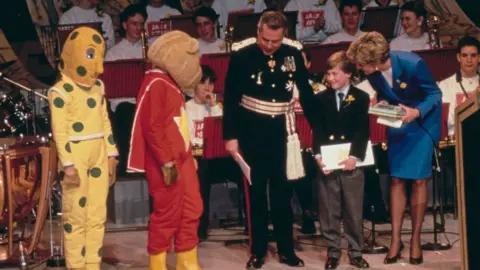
x,y
387,110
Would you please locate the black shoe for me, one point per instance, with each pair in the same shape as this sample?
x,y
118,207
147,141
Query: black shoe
x,y
359,262
291,260
255,262
395,258
308,225
332,263
416,261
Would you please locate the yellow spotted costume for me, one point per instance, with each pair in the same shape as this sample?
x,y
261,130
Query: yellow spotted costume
x,y
83,136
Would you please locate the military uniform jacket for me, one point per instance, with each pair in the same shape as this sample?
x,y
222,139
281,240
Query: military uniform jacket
x,y
269,78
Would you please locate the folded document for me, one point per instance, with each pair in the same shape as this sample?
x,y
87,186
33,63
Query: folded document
x,y
334,154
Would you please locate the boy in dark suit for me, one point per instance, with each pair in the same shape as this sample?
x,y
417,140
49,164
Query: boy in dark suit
x,y
342,118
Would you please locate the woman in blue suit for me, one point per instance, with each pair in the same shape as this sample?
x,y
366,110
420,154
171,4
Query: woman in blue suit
x,y
403,79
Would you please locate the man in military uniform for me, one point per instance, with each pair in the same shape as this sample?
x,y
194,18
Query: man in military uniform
x,y
259,123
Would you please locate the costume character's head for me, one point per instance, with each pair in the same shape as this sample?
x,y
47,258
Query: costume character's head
x,y
178,54
82,56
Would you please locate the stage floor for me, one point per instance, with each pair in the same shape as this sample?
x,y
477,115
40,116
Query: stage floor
x,y
126,250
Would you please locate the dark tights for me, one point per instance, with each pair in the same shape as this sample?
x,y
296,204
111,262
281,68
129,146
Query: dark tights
x,y
418,203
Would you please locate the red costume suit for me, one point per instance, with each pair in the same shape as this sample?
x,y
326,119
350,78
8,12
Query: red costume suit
x,y
160,134
161,147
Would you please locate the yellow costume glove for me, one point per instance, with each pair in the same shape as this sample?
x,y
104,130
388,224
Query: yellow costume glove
x,y
71,177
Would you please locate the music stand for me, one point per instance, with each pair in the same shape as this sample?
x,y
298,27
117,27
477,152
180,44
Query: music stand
x,y
246,25
123,78
441,62
382,20
319,52
182,23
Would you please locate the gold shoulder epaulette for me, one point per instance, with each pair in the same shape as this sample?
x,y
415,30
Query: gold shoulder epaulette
x,y
244,43
294,43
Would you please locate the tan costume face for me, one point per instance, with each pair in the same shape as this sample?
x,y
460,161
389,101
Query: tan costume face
x,y
177,53
82,56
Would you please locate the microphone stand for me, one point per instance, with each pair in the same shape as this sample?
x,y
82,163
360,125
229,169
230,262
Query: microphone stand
x,y
437,176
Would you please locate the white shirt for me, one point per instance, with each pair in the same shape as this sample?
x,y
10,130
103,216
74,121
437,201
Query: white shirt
x,y
125,50
344,91
406,43
235,5
156,14
453,94
77,15
217,46
196,114
398,25
342,36
388,76
305,32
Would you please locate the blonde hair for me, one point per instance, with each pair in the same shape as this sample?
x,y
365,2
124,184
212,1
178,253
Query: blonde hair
x,y
340,60
369,49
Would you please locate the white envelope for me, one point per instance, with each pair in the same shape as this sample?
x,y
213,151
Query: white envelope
x,y
244,166
333,154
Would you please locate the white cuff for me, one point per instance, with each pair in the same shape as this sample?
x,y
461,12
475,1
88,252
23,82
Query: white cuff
x,y
356,159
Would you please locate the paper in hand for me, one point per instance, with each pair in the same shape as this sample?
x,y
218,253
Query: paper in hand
x,y
389,121
244,166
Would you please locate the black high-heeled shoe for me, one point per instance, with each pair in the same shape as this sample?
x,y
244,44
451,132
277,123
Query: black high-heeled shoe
x,y
416,261
395,258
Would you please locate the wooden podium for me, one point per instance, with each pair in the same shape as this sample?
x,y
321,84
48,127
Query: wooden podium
x,y
467,118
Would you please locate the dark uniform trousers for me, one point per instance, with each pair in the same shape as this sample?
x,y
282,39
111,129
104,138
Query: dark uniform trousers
x,y
341,196
265,172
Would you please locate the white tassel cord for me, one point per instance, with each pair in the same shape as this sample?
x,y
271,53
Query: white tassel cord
x,y
295,168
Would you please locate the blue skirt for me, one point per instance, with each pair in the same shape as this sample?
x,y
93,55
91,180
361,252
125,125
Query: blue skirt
x,y
410,152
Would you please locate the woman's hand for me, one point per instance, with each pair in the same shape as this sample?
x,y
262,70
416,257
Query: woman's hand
x,y
410,114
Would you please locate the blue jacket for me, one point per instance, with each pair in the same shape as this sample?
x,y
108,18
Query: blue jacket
x,y
415,87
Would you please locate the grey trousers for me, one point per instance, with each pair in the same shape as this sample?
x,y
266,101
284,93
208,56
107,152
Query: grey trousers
x,y
341,196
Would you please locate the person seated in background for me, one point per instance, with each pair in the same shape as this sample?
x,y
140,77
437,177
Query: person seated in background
x,y
457,87
158,9
413,15
316,19
257,5
202,105
132,21
350,14
383,3
206,21
189,6
85,11
221,10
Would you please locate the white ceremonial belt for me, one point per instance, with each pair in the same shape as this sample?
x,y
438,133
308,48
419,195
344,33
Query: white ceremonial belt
x,y
265,107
